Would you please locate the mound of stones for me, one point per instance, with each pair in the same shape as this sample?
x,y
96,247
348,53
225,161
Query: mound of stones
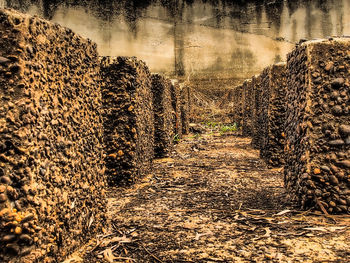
x,y
248,105
300,120
185,109
51,161
176,103
128,118
273,103
256,83
238,106
163,116
318,125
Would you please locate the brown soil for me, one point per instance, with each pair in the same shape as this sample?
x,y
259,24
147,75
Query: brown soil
x,y
214,200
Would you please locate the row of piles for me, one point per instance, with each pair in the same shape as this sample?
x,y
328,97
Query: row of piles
x,y
68,121
298,116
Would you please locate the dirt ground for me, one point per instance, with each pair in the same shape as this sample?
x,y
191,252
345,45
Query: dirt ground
x,y
214,200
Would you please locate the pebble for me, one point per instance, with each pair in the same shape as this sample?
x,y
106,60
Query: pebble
x,y
338,142
4,60
334,94
347,140
18,230
345,163
8,238
3,197
344,130
329,66
317,171
325,168
337,83
5,180
337,110
26,238
334,180
27,218
2,188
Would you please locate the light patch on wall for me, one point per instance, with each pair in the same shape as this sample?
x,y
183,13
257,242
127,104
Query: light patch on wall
x,y
151,44
229,53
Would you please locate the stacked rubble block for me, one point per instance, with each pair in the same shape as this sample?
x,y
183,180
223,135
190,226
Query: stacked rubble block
x,y
163,116
185,109
128,118
261,100
238,106
51,173
227,103
256,83
274,115
176,103
317,169
248,104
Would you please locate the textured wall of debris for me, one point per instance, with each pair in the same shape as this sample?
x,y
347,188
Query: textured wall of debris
x,y
274,113
318,125
51,173
185,109
260,123
256,83
128,118
248,105
163,116
176,103
238,106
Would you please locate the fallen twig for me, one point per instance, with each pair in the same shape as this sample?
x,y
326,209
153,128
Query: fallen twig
x,y
324,210
153,256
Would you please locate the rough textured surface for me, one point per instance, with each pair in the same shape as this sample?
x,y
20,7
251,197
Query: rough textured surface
x,y
185,109
274,114
128,118
51,174
256,83
261,110
318,125
176,102
238,106
163,116
248,105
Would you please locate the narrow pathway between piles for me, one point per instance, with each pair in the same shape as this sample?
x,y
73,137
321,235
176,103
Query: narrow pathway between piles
x,y
214,200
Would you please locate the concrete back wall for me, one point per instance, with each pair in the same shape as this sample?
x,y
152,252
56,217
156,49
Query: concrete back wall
x,y
235,39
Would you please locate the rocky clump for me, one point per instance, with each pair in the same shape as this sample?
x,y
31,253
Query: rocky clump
x,y
185,108
51,173
273,115
256,83
176,103
238,106
128,118
260,123
163,116
318,125
248,106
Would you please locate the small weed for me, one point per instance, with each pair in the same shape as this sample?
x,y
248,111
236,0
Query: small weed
x,y
211,124
228,128
176,138
196,136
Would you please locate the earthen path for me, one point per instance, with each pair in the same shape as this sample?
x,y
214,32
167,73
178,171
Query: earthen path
x,y
214,200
